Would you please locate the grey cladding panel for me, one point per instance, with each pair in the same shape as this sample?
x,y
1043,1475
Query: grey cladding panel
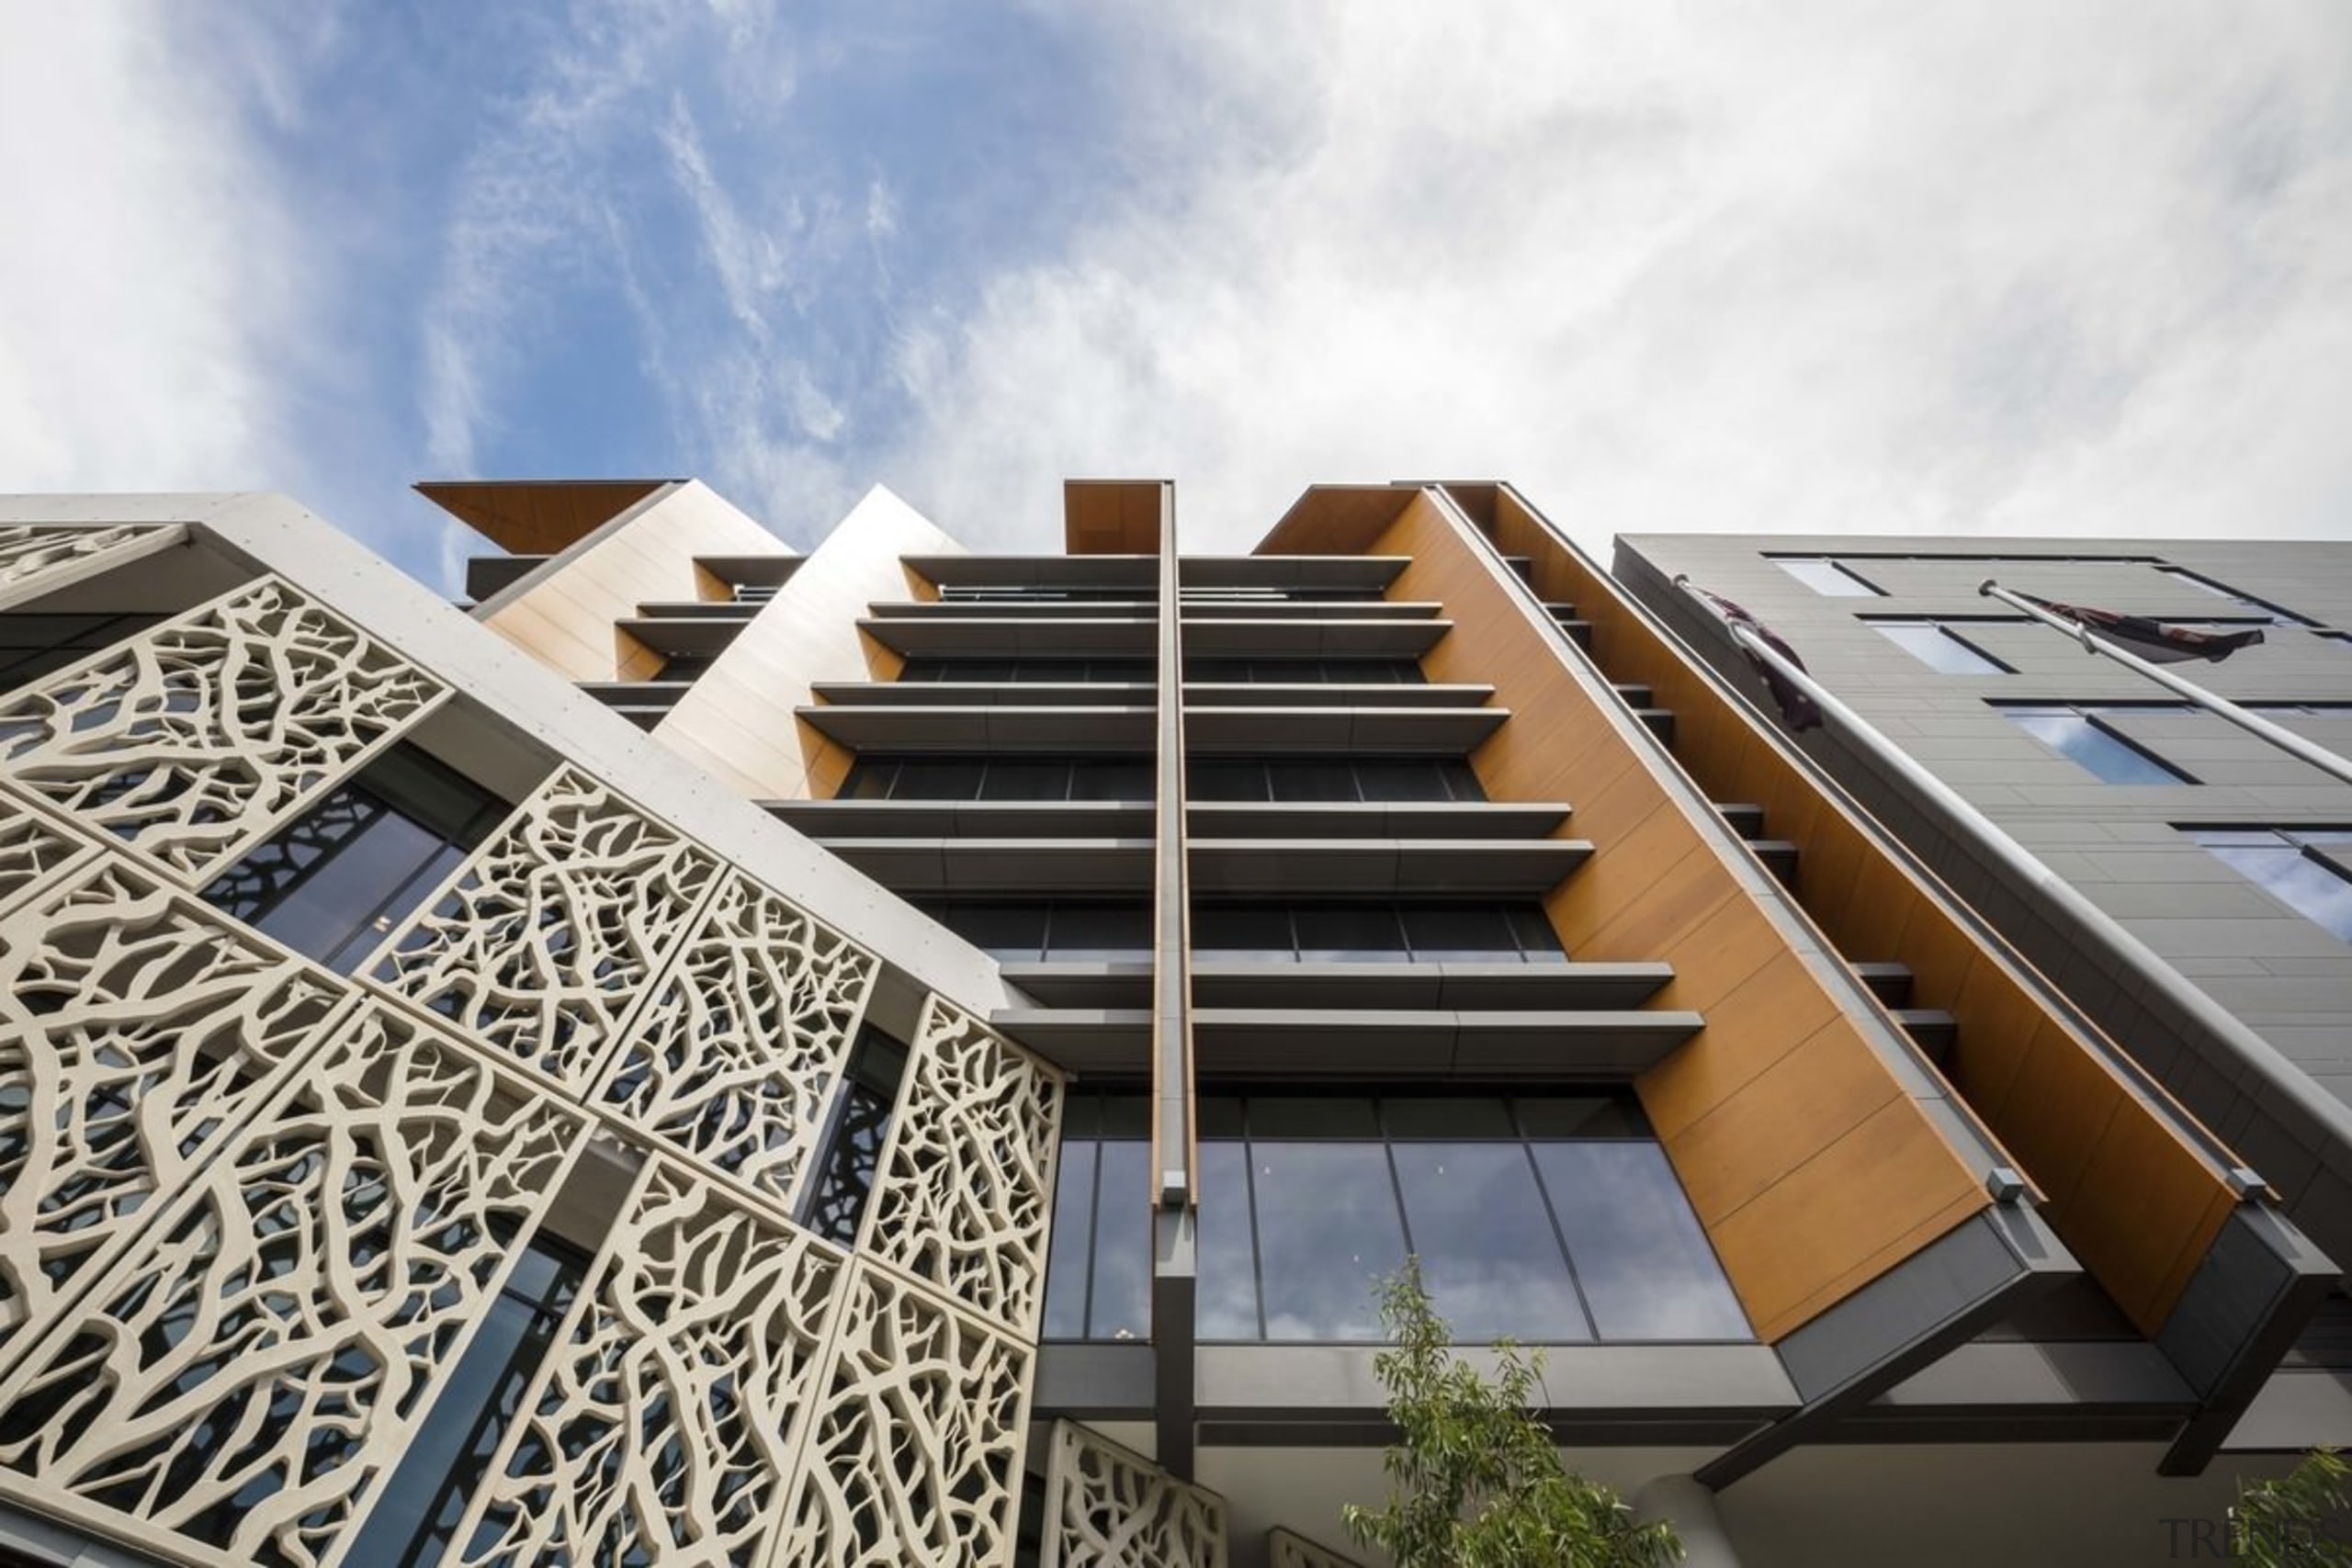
x,y
2236,1291
1890,1315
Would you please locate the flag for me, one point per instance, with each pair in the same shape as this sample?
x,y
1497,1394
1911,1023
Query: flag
x,y
2151,640
1797,710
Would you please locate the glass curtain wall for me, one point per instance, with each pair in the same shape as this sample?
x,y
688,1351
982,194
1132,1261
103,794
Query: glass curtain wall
x,y
339,877
1069,931
1547,1218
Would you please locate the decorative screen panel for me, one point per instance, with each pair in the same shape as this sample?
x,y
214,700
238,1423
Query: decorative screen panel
x,y
135,1028
745,1038
1107,1506
663,1425
36,556
914,1455
230,1391
966,1184
556,927
1284,1549
29,850
199,737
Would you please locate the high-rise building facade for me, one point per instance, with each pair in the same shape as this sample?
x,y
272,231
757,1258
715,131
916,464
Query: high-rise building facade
x,y
900,1055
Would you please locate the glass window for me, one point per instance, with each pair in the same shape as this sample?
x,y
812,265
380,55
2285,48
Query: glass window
x,y
1112,778
1067,1259
1462,934
1486,1248
1343,934
1013,932
1224,778
2263,608
1313,1116
1098,1276
1307,1200
938,778
1824,575
851,1150
1226,1300
338,914
1463,1116
1328,1232
1026,778
1939,648
1580,1116
1379,933
1312,779
415,1520
869,780
337,880
1098,933
1537,941
1121,1306
1234,932
1641,1256
1403,779
2074,735
2286,863
34,645
1460,780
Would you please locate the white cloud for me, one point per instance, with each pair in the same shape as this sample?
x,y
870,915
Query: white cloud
x,y
523,199
2080,268
152,293
748,260
1834,267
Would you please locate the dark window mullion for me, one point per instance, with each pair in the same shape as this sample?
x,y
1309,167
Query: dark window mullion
x,y
1249,1181
369,931
1093,1237
1396,1182
2096,720
1559,1231
375,810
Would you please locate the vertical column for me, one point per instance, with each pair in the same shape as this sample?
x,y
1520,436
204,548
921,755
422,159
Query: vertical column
x,y
1173,1140
1689,1504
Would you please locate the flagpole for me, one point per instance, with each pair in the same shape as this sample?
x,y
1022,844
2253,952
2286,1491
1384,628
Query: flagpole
x,y
2134,957
2279,735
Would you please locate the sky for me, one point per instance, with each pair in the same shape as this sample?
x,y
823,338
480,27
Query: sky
x,y
2082,266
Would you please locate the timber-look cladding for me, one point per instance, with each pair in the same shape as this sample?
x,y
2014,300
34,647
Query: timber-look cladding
x,y
1810,1181
565,620
2130,1196
738,721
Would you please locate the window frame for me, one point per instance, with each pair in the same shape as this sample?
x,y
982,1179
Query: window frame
x,y
1943,625
1862,587
2268,613
454,834
2093,715
2311,845
1237,1117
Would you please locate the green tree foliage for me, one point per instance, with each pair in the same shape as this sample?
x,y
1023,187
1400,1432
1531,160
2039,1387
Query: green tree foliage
x,y
2288,1523
1476,1481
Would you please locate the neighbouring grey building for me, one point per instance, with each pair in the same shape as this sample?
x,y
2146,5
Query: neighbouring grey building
x,y
901,1055
2229,860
